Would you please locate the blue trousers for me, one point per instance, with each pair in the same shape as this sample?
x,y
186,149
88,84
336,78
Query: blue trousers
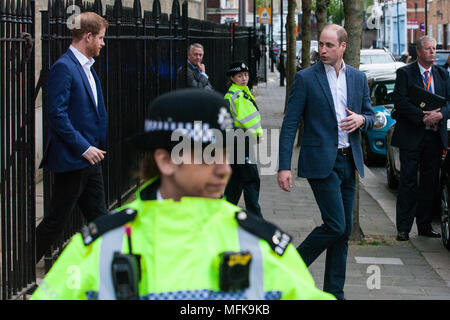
x,y
335,196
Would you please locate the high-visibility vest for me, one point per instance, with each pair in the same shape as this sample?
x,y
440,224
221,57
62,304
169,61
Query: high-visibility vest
x,y
243,109
179,243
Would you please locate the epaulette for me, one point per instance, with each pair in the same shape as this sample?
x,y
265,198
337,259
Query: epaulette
x,y
106,223
275,237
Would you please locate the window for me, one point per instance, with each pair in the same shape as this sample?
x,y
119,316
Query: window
x,y
439,34
448,34
430,30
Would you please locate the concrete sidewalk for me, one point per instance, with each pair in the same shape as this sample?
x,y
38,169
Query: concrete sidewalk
x,y
417,269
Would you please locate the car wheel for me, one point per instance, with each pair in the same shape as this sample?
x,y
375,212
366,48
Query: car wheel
x,y
445,222
391,179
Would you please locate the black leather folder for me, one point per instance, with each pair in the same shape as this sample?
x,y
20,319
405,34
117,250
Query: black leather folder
x,y
425,100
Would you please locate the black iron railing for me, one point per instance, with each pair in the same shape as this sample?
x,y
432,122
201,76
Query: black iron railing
x,y
17,165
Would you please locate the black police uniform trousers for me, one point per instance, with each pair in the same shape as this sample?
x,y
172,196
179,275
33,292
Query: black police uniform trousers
x,y
417,199
84,187
244,178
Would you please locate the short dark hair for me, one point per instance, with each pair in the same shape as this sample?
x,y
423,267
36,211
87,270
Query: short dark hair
x,y
148,168
88,22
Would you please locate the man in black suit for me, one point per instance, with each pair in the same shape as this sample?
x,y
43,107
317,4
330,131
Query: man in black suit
x,y
421,137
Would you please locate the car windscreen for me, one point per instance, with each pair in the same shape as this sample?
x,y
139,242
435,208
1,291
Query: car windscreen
x,y
376,58
382,93
441,58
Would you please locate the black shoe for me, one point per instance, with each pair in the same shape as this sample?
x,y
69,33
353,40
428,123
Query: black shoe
x,y
430,233
402,236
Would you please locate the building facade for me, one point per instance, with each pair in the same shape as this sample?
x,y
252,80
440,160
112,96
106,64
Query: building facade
x,y
391,23
438,21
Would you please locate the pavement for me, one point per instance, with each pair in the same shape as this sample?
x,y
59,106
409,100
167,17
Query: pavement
x,y
378,267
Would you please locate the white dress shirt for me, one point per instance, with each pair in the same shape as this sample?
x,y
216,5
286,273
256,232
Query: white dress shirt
x,y
86,64
422,71
338,87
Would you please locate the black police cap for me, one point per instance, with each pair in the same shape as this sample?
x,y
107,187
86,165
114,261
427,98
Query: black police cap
x,y
191,112
236,67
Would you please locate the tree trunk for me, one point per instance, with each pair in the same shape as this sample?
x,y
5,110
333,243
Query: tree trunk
x,y
306,33
291,44
321,14
353,11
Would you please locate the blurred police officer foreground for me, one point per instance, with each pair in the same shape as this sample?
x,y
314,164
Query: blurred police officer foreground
x,y
180,239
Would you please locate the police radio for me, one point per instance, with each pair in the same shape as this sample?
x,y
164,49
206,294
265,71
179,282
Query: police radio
x,y
234,270
126,272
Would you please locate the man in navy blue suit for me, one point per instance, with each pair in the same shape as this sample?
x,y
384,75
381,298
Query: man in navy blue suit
x,y
333,99
76,133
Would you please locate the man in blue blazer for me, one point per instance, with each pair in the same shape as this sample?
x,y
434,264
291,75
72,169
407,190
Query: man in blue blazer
x,y
76,133
333,99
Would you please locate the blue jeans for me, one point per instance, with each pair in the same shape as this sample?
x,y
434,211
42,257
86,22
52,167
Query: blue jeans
x,y
335,196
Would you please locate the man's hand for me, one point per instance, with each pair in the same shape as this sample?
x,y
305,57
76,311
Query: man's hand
x,y
352,122
94,155
201,67
432,118
285,180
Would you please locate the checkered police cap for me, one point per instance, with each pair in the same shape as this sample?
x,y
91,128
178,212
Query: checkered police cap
x,y
193,113
236,67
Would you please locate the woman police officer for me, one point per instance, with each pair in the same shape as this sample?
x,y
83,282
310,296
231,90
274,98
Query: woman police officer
x,y
180,239
246,118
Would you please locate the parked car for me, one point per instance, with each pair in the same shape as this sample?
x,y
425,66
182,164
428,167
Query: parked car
x,y
442,197
375,62
392,161
374,141
314,54
445,200
441,57
298,54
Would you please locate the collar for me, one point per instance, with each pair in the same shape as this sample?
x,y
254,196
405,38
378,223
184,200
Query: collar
x,y
242,88
195,67
82,59
329,68
422,69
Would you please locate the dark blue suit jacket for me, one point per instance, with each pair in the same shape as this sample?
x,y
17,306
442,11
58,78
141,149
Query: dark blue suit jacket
x,y
311,98
75,122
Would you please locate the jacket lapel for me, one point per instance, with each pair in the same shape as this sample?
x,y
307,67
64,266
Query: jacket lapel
x,y
417,77
323,81
349,81
438,83
100,100
84,78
